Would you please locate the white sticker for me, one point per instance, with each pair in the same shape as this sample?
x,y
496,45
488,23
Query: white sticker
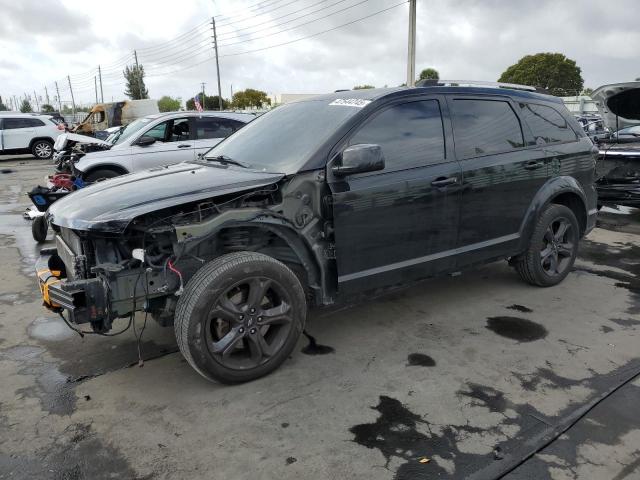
x,y
351,102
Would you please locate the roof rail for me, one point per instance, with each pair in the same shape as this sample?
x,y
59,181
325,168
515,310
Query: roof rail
x,y
473,83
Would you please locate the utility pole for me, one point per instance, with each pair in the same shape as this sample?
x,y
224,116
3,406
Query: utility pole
x,y
59,101
100,77
15,103
411,54
202,84
73,101
46,94
215,46
35,96
138,75
95,85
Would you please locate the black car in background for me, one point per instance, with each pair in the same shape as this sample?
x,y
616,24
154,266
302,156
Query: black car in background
x,y
320,201
618,177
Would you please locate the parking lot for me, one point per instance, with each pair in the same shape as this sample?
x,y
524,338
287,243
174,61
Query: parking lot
x,y
471,376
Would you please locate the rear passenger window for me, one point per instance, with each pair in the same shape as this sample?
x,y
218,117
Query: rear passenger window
x,y
483,127
35,122
410,134
212,127
547,125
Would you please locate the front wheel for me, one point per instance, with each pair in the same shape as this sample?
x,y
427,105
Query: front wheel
x,y
240,317
39,227
100,175
42,149
553,248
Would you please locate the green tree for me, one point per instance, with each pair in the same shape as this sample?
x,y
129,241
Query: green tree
x,y
3,107
134,76
551,71
46,108
429,74
210,102
250,98
587,91
362,87
169,104
25,107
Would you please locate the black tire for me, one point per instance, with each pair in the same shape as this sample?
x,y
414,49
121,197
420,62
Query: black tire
x,y
552,249
230,342
42,149
100,175
39,227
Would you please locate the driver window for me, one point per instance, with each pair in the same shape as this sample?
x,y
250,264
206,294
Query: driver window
x,y
159,131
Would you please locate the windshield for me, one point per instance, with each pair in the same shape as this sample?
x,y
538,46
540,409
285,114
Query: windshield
x,y
282,140
129,130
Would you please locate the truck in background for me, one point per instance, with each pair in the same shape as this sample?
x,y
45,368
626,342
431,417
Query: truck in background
x,y
116,114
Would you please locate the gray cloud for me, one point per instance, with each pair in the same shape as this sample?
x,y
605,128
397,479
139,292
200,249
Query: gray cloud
x,y
469,39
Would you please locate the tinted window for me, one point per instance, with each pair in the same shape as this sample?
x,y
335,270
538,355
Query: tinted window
x,y
35,122
212,127
179,130
482,127
13,123
410,135
547,125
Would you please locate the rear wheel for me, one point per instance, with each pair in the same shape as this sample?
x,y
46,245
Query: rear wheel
x,y
99,175
553,248
240,317
39,228
42,149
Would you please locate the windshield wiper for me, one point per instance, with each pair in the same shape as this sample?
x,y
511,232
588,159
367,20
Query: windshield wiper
x,y
226,161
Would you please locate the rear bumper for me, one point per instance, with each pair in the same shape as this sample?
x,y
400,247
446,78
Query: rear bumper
x,y
84,300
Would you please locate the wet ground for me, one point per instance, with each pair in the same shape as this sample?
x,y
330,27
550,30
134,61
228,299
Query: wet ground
x,y
477,376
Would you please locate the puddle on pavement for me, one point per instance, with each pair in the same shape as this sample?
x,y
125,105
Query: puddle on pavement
x,y
625,322
519,308
420,360
515,328
50,329
314,348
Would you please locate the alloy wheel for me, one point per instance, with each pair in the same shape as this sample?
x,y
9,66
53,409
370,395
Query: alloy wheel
x,y
43,150
249,323
559,243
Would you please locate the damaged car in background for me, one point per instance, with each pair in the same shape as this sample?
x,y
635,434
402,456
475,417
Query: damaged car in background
x,y
619,160
318,202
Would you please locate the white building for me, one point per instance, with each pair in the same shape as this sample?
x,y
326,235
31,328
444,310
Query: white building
x,y
281,98
580,104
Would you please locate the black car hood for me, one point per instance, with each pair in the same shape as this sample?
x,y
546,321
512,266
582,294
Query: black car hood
x,y
111,205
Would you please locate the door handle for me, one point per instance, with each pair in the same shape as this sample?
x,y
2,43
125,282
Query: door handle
x,y
534,165
184,146
443,182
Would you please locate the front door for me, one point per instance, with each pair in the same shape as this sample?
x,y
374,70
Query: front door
x,y
174,144
209,131
400,222
502,168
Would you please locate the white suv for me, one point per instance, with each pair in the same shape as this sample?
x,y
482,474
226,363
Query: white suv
x,y
158,140
25,132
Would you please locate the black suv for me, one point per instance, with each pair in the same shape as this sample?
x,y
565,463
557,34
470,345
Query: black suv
x,y
316,202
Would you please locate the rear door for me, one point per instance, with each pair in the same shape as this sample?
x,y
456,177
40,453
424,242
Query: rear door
x,y
174,144
209,131
401,222
17,132
502,170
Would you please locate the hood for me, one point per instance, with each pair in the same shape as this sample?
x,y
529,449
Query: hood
x,y
111,205
65,140
621,100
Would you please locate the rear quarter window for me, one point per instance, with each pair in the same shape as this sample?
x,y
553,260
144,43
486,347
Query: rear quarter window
x,y
484,127
547,124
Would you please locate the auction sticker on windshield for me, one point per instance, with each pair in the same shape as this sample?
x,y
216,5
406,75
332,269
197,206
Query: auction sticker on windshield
x,y
351,102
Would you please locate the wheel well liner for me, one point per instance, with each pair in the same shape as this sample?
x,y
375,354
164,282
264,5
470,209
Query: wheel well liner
x,y
106,166
573,201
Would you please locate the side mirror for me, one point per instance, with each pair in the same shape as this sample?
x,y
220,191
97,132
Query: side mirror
x,y
145,141
359,159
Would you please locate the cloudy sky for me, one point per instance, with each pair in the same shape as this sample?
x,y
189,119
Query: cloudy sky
x,y
43,41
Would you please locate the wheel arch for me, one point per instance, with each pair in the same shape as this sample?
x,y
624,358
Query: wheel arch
x,y
37,139
290,247
105,166
563,190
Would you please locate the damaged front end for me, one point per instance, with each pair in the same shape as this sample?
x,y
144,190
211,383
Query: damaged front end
x,y
131,246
